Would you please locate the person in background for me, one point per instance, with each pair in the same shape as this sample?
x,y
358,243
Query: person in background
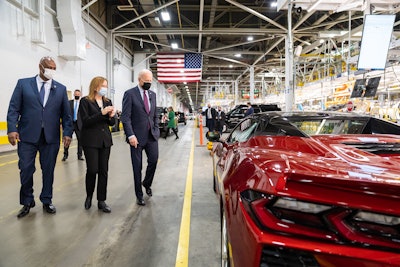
x,y
172,123
250,110
74,105
33,122
220,119
210,114
96,114
140,121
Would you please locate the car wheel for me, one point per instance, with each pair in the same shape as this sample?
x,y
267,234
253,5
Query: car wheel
x,y
225,255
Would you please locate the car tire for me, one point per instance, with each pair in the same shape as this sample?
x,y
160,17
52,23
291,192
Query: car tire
x,y
225,254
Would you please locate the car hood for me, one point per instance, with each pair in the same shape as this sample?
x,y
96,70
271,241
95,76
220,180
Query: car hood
x,y
321,161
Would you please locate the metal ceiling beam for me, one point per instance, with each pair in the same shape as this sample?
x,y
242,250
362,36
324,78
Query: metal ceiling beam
x,y
144,15
269,50
213,31
201,14
238,44
257,14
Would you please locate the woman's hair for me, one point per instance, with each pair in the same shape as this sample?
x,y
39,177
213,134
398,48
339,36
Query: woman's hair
x,y
170,108
95,84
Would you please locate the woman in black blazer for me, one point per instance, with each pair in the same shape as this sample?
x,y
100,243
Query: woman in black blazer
x,y
96,113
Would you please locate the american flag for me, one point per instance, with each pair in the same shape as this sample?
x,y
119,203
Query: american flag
x,y
179,67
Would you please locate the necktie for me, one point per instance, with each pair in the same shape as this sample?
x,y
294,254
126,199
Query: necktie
x,y
146,102
75,110
41,93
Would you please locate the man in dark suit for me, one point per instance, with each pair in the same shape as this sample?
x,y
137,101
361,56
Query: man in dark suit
x,y
211,115
220,120
33,121
140,121
74,105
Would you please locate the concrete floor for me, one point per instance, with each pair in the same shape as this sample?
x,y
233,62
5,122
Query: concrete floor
x,y
130,235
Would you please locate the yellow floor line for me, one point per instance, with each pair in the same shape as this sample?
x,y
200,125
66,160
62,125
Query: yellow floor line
x,y
182,255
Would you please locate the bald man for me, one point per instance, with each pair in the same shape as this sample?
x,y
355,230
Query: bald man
x,y
37,106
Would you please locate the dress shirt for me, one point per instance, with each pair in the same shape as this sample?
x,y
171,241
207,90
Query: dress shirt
x,y
148,96
47,85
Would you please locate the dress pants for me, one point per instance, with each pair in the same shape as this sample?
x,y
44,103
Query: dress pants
x,y
210,124
151,149
97,165
47,157
78,137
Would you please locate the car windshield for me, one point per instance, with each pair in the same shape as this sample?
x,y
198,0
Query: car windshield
x,y
330,126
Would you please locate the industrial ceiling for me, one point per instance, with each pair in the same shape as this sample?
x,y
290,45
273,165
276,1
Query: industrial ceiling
x,y
220,30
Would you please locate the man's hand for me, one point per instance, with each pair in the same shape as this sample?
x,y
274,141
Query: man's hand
x,y
67,141
133,141
13,137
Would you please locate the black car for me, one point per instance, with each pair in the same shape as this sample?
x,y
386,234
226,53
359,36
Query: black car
x,y
181,117
237,113
162,123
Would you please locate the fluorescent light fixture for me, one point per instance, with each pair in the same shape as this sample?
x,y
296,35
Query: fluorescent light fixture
x,y
165,16
250,38
238,55
174,45
331,34
313,6
274,4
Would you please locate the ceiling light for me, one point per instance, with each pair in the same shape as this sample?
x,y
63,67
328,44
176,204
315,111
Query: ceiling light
x,y
238,55
230,66
157,19
174,45
313,6
274,4
250,38
165,16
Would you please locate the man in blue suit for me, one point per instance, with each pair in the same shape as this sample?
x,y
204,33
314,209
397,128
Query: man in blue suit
x,y
36,108
140,121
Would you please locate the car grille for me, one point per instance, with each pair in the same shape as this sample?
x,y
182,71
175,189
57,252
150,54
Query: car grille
x,y
327,223
285,257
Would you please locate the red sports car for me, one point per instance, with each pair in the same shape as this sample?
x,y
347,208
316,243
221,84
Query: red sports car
x,y
309,189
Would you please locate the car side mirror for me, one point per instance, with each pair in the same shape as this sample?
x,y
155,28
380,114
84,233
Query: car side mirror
x,y
213,136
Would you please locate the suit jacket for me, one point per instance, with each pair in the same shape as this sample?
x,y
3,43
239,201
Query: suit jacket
x,y
213,113
223,116
27,116
78,120
95,131
135,118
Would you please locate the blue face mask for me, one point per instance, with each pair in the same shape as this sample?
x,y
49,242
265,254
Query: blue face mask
x,y
103,91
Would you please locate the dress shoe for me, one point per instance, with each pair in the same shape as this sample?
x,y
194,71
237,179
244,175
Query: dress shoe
x,y
140,201
80,158
49,208
25,209
88,203
64,158
103,206
148,191
177,137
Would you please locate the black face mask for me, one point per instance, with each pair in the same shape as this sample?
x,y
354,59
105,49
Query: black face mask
x,y
146,86
77,97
